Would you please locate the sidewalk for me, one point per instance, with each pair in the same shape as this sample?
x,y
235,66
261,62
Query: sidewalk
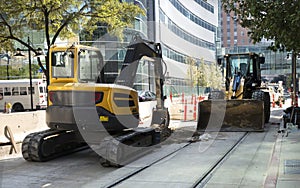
x,y
285,160
289,161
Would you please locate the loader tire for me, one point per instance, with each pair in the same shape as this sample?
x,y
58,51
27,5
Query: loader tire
x,y
260,95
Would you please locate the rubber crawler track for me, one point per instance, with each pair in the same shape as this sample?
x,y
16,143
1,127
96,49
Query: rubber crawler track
x,y
43,146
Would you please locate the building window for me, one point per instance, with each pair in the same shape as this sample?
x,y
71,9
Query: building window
x,y
228,18
185,35
205,5
243,41
228,42
192,16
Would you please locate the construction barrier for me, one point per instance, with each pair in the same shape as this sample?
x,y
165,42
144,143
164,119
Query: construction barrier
x,y
185,111
185,108
19,125
273,100
145,111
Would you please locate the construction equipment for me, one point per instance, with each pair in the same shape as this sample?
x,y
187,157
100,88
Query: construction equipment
x,y
246,106
84,108
276,93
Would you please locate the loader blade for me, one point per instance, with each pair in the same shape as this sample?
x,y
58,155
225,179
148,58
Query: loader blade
x,y
231,115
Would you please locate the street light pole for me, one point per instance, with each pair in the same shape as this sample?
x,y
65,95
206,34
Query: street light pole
x,y
19,54
30,75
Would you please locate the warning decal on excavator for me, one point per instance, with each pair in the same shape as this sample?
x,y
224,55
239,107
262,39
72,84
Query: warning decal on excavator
x,y
104,118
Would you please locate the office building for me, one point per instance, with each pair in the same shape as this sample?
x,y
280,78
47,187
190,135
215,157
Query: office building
x,y
185,28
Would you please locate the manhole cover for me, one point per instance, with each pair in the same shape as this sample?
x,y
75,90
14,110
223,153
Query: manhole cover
x,y
292,166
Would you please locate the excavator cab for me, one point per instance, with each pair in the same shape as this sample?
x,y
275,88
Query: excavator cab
x,y
77,74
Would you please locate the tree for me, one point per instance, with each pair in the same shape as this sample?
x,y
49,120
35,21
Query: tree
x,y
192,71
278,21
272,20
204,75
60,18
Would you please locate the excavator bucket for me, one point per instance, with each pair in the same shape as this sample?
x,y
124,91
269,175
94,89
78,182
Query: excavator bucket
x,y
231,115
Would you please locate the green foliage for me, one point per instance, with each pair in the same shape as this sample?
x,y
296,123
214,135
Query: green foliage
x,y
17,72
272,20
192,71
61,18
205,75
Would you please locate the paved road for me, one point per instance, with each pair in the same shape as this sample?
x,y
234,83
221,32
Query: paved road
x,y
186,163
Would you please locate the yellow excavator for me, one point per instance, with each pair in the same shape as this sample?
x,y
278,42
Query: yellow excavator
x,y
85,107
245,104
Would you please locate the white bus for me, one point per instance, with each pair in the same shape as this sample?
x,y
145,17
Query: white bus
x,y
18,93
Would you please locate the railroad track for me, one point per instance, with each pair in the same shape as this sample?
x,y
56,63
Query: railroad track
x,y
203,178
201,182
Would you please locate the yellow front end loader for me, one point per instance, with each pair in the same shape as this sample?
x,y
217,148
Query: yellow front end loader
x,y
245,105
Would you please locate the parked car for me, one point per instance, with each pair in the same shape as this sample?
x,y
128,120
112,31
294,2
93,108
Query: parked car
x,y
146,96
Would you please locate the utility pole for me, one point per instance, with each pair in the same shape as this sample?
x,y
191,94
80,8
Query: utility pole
x,y
30,76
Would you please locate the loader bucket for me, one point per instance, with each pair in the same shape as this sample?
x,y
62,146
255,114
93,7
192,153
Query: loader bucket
x,y
231,115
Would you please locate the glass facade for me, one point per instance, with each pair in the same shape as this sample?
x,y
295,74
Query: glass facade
x,y
276,63
140,23
192,16
205,5
184,34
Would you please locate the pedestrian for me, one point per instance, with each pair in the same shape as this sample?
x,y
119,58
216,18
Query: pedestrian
x,y
8,107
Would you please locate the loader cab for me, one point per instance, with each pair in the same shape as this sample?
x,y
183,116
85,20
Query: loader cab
x,y
243,70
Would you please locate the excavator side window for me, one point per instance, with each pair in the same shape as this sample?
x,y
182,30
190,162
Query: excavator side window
x,y
89,63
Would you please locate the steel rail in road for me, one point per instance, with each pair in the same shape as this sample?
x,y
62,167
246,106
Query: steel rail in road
x,y
123,179
198,183
201,182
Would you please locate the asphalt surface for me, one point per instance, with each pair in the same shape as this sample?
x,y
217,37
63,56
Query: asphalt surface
x,y
259,160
